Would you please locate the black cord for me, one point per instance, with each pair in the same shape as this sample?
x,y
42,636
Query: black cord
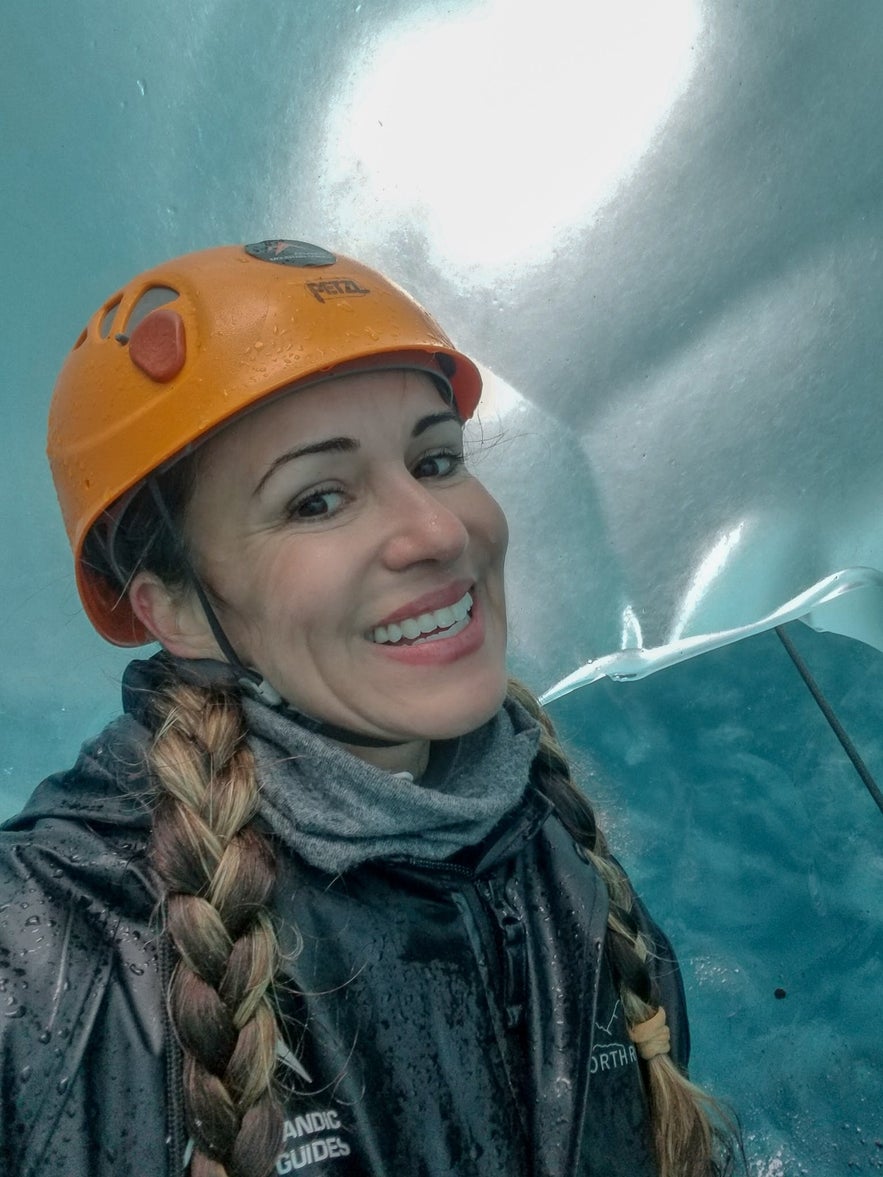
x,y
836,726
211,617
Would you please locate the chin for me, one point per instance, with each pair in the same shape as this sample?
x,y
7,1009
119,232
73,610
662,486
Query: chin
x,y
448,719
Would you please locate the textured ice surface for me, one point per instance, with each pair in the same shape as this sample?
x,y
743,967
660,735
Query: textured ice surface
x,y
758,848
661,234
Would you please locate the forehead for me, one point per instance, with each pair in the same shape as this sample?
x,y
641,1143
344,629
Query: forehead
x,y
356,405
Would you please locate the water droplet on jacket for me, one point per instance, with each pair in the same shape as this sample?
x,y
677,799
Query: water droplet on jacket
x,y
31,920
137,969
17,1011
45,1037
25,1074
63,1084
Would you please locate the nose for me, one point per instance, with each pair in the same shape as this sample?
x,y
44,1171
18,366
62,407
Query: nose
x,y
419,527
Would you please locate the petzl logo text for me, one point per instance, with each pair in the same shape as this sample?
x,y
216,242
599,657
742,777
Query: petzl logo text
x,y
336,288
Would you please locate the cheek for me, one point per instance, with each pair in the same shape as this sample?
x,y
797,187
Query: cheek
x,y
251,585
299,596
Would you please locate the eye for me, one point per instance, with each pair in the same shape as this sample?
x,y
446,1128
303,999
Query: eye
x,y
317,504
438,464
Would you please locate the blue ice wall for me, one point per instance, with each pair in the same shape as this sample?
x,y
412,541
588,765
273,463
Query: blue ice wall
x,y
658,228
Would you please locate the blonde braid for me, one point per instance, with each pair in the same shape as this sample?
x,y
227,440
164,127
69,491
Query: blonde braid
x,y
686,1122
217,872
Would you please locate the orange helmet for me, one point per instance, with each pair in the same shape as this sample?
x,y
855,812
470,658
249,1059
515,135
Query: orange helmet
x,y
186,346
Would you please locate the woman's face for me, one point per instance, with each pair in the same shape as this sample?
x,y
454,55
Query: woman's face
x,y
335,524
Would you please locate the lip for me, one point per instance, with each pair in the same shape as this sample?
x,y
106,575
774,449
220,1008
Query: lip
x,y
443,650
429,602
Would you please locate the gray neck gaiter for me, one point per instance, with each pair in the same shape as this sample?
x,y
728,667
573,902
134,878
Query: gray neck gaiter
x,y
338,811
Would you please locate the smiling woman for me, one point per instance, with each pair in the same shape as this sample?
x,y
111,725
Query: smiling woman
x,y
325,561
325,897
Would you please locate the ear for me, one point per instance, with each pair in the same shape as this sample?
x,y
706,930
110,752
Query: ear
x,y
175,619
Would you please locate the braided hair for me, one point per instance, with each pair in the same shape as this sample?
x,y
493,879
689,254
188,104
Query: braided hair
x,y
216,872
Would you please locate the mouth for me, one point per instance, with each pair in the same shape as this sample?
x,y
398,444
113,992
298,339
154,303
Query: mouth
x,y
431,626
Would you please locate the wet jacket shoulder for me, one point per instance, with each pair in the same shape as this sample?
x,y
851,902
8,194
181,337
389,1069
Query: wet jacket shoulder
x,y
83,1032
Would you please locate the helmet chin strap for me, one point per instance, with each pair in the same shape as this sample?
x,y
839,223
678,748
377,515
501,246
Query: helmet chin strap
x,y
251,680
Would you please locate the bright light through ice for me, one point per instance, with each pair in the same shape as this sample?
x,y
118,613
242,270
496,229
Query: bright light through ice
x,y
632,638
496,131
705,577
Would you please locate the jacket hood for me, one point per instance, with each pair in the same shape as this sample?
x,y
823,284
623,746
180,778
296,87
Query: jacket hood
x,y
107,786
109,783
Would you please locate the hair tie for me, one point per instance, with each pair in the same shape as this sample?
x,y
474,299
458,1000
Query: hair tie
x,y
652,1037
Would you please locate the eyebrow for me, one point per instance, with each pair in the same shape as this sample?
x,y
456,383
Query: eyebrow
x,y
345,445
434,419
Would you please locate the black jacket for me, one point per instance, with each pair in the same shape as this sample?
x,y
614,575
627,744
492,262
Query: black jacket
x,y
441,1018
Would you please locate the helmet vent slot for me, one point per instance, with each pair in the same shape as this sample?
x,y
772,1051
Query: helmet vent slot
x,y
108,316
153,297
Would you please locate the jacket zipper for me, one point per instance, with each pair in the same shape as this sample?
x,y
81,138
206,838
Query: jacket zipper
x,y
581,1110
502,901
174,1071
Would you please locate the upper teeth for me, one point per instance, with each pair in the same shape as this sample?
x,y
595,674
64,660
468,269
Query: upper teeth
x,y
413,627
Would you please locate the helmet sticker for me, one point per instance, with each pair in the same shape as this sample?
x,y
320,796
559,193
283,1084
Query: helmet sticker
x,y
291,253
